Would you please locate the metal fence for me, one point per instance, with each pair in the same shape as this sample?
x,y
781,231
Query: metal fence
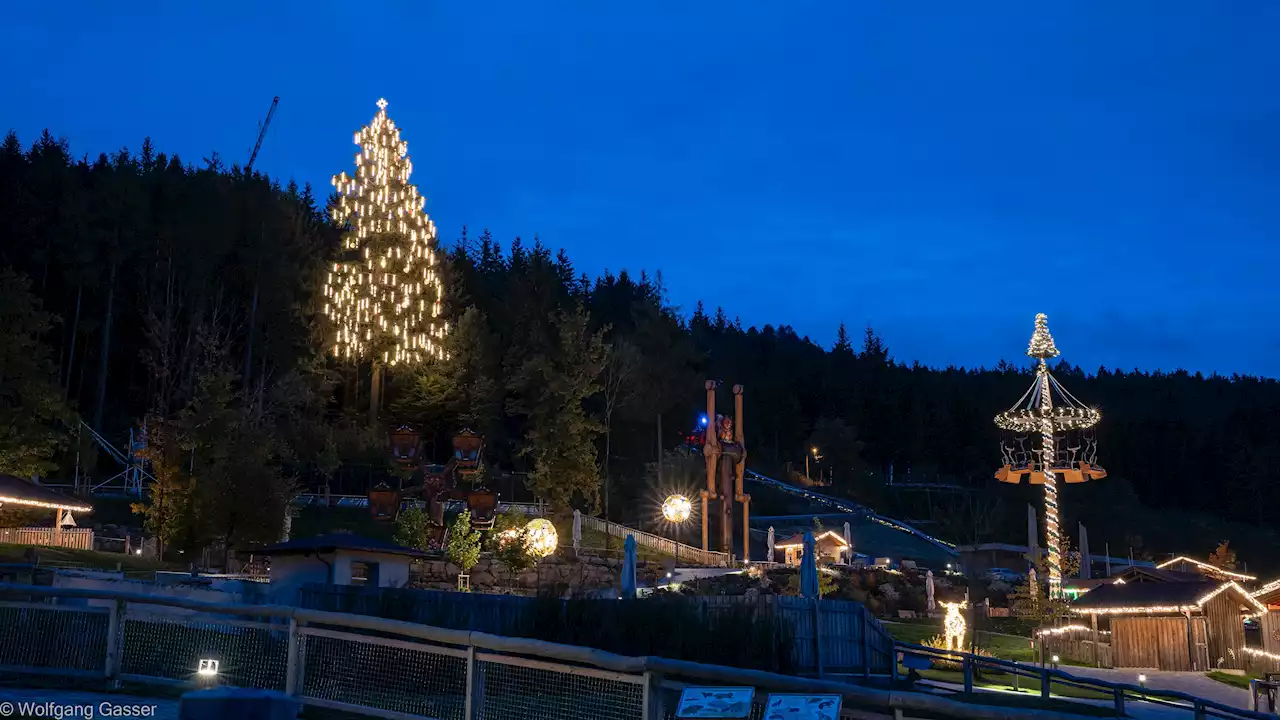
x,y
384,668
75,538
687,553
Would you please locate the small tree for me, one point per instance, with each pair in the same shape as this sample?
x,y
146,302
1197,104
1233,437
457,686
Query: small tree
x,y
413,529
1223,556
463,548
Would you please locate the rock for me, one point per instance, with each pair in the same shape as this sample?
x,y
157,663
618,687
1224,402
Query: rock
x,y
482,578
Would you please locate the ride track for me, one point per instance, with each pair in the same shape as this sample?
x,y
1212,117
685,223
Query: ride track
x,y
848,506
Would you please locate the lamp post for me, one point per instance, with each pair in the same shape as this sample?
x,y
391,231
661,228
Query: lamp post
x,y
816,457
676,509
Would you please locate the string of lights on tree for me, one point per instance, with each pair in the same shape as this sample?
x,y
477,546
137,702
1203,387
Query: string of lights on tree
x,y
383,295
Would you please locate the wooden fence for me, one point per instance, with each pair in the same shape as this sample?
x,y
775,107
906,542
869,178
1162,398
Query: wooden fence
x,y
76,538
779,630
693,555
1077,648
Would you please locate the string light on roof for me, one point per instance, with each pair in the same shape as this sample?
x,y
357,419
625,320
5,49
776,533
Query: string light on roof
x,y
384,294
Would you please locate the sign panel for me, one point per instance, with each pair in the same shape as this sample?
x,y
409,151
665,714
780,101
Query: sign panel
x,y
715,702
802,707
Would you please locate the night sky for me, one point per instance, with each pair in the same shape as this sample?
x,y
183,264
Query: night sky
x,y
938,170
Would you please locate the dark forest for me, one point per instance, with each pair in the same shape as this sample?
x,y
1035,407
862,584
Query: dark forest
x,y
138,287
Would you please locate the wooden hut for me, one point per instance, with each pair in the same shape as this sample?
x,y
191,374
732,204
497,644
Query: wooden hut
x,y
1269,595
830,547
1172,625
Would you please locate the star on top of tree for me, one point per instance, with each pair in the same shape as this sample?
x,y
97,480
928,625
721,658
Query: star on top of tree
x,y
1041,341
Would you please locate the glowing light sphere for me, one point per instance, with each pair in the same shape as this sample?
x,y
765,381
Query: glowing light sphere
x,y
676,508
540,538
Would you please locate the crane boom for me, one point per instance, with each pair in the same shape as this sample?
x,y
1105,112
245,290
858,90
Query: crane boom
x,y
262,134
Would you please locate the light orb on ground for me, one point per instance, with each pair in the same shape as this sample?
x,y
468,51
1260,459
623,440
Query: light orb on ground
x,y
541,538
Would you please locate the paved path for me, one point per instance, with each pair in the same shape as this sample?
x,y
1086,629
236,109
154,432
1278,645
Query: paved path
x,y
73,704
1191,683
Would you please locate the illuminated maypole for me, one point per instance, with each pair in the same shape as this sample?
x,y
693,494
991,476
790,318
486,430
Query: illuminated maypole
x,y
1071,454
383,294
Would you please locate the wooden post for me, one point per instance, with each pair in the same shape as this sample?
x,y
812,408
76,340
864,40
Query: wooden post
x,y
1044,683
746,528
468,707
1097,657
292,670
1191,645
817,635
704,495
1119,702
968,673
115,638
866,649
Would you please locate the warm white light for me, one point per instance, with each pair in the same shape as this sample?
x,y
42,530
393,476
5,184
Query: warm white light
x,y
207,667
388,299
953,625
1206,566
676,508
1055,659
540,539
1142,679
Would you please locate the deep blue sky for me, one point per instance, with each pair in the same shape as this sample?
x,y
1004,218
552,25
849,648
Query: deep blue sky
x,y
939,170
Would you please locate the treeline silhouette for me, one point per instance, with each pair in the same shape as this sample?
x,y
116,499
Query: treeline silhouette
x,y
158,271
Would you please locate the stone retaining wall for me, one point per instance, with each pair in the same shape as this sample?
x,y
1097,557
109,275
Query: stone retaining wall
x,y
563,573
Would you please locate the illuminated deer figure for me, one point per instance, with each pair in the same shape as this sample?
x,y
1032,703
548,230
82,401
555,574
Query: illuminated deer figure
x,y
953,625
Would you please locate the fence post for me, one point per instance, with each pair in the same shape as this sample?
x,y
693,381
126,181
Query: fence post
x,y
291,660
866,646
817,632
1119,699
1016,677
469,708
115,642
652,700
968,673
1044,683
1198,709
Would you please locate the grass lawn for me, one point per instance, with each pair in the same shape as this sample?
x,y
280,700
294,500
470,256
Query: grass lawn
x,y
1005,647
1240,681
1026,700
13,553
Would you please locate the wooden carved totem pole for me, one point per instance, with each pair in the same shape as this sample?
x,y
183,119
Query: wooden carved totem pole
x,y
726,456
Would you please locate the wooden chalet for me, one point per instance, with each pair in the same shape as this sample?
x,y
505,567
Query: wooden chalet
x,y
1168,625
830,546
1269,623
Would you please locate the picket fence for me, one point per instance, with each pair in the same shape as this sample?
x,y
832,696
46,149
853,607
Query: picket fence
x,y
75,538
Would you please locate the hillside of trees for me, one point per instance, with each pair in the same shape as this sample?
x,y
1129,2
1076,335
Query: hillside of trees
x,y
138,288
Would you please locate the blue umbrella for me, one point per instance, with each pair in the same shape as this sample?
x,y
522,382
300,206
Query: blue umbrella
x,y
809,569
629,568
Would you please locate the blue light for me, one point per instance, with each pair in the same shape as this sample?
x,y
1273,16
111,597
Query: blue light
x,y
703,420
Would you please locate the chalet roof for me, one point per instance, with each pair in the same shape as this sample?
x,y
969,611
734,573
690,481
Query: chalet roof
x,y
16,491
1160,575
1141,598
334,542
797,540
1180,562
1269,593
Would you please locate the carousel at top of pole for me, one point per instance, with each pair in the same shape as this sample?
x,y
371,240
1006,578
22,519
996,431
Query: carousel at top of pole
x,y
1066,444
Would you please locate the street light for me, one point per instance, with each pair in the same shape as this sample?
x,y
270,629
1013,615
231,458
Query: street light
x,y
676,509
816,457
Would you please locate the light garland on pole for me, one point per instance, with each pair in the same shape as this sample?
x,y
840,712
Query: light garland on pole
x,y
384,294
1041,416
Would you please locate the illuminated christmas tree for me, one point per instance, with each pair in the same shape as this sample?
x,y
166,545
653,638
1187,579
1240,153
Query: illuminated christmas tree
x,y
383,294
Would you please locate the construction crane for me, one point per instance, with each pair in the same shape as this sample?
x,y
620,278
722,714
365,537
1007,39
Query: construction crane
x,y
248,169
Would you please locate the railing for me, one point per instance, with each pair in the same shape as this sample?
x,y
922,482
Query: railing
x,y
75,538
976,668
694,555
384,668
